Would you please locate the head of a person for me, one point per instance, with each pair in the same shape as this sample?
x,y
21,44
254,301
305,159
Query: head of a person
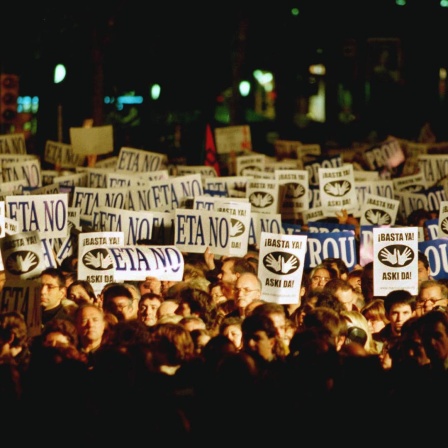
x,y
148,305
171,345
343,291
150,284
367,279
192,271
230,327
375,313
400,306
418,218
358,330
325,324
434,333
191,323
167,308
81,291
409,351
231,269
59,332
424,269
252,305
196,302
319,276
53,289
136,295
431,294
276,312
339,266
354,278
200,337
328,300
259,336
13,333
90,324
247,289
216,293
118,300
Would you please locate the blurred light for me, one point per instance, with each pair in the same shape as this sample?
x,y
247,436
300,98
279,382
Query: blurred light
x,y
442,73
26,104
317,69
400,2
295,12
444,3
244,88
130,99
155,91
59,73
263,77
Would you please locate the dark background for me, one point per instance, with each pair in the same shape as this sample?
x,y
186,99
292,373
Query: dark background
x,y
196,51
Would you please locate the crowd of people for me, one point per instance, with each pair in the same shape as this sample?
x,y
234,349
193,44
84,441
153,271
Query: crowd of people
x,y
207,360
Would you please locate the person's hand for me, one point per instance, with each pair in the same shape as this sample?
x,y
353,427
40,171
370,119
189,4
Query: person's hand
x,y
155,285
209,259
342,217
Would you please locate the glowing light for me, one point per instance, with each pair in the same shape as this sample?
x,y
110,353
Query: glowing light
x,y
155,91
59,73
317,69
244,88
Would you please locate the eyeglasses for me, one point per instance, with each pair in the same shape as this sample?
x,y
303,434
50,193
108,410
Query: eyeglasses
x,y
50,287
245,290
426,302
318,278
120,307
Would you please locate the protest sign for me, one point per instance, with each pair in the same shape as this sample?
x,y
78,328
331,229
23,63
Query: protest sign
x,y
22,255
47,214
135,263
280,267
395,262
